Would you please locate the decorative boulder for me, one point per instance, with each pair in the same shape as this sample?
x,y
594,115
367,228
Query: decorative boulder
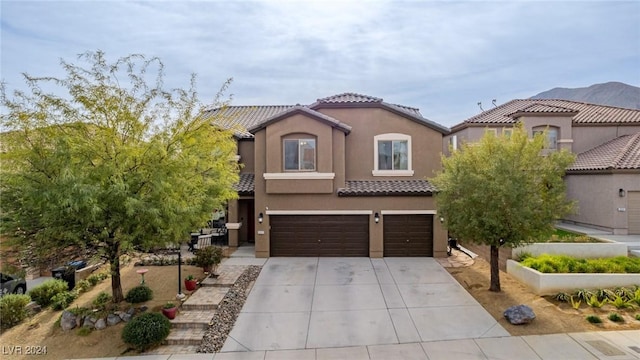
x,y
112,319
101,324
89,322
68,321
520,314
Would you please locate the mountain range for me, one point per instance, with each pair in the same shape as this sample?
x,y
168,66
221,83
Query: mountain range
x,y
610,93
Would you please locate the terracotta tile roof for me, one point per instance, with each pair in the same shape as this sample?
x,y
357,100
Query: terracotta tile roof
x,y
387,187
348,98
586,113
241,119
245,186
621,153
301,109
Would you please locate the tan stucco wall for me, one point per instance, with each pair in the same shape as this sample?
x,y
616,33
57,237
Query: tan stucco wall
x,y
333,203
349,157
588,137
598,199
366,123
245,150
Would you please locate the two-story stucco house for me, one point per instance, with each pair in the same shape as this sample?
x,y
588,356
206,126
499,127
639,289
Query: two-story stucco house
x,y
344,176
605,179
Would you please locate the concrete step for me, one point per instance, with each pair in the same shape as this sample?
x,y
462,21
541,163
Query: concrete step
x,y
188,319
635,253
206,298
173,349
227,276
185,337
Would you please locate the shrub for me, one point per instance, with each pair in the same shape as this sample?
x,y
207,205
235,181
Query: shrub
x,y
60,301
13,309
138,294
594,319
82,286
565,264
621,303
615,317
79,311
575,304
562,297
101,301
94,279
594,301
584,294
146,331
638,317
43,293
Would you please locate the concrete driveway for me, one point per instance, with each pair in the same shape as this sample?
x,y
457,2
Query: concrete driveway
x,y
301,303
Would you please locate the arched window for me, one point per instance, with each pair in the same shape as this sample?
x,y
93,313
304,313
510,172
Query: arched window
x,y
552,136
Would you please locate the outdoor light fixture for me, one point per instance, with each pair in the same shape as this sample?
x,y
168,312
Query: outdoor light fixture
x,y
441,220
376,217
621,192
260,218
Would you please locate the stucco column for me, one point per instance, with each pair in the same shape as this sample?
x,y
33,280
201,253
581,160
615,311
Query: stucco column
x,y
439,238
376,236
232,223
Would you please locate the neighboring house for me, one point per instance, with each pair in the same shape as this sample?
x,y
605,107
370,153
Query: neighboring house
x,y
344,176
605,179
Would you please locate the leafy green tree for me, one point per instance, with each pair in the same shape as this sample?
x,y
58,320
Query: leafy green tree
x,y
117,161
503,190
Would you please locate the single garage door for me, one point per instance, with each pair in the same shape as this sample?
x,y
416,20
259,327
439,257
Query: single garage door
x,y
408,235
319,235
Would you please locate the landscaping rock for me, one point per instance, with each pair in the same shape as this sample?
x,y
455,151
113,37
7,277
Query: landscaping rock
x,y
126,317
101,324
131,311
68,321
89,322
227,312
113,319
520,314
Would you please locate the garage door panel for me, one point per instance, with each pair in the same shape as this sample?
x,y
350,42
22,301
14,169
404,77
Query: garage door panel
x,y
319,235
408,235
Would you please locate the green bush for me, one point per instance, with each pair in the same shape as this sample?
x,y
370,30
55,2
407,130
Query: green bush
x,y
594,319
83,286
638,317
94,279
83,331
146,331
43,293
615,317
101,301
138,294
13,309
60,301
565,264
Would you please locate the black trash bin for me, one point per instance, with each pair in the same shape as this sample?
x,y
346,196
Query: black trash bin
x,y
68,272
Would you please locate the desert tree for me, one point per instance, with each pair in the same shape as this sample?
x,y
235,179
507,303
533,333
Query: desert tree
x,y
503,190
106,158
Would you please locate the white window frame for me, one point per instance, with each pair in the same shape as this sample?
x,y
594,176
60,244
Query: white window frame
x,y
548,129
392,137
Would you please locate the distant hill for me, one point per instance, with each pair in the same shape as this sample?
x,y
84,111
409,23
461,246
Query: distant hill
x,y
611,93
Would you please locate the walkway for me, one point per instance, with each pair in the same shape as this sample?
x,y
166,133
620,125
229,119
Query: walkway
x,y
632,241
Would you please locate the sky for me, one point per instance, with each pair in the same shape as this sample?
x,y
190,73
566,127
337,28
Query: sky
x,y
440,56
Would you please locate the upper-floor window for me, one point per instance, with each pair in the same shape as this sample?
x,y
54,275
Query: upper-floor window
x,y
552,136
392,155
299,154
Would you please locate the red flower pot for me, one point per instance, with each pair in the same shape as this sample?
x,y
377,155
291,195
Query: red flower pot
x,y
170,313
190,285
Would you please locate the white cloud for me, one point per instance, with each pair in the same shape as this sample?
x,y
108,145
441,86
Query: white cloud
x,y
443,57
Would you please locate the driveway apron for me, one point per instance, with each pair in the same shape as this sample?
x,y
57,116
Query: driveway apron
x,y
304,303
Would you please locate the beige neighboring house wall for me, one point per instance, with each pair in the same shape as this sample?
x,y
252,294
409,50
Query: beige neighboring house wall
x,y
603,208
605,139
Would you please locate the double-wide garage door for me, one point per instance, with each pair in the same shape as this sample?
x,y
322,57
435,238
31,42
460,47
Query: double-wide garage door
x,y
319,235
348,235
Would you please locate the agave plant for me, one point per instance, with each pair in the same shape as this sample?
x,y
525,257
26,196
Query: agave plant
x,y
594,301
621,303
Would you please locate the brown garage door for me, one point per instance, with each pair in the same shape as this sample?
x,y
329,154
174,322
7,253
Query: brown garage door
x,y
408,235
319,235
